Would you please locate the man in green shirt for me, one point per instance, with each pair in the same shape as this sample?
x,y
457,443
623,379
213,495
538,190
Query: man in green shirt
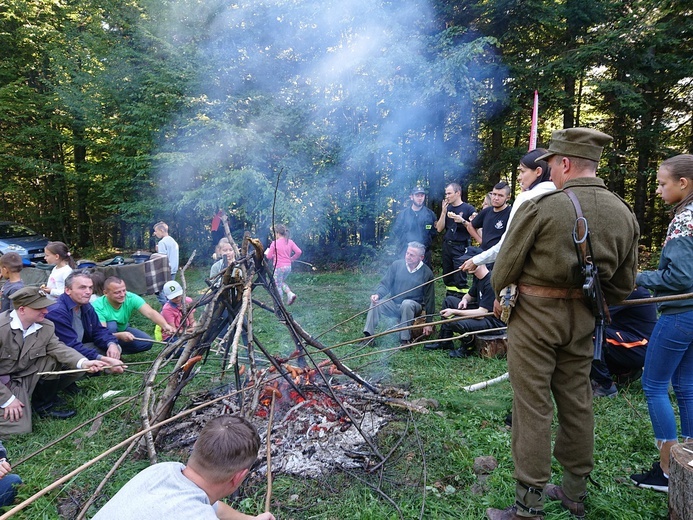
x,y
115,308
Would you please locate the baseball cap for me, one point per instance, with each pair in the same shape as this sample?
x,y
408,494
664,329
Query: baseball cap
x,y
172,290
417,189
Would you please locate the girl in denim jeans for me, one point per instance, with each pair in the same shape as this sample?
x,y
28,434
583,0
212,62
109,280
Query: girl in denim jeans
x,y
670,351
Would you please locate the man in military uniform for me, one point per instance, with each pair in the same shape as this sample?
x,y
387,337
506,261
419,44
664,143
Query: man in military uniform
x,y
28,345
416,223
551,326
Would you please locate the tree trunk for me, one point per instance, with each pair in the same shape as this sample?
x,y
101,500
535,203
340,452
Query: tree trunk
x,y
681,482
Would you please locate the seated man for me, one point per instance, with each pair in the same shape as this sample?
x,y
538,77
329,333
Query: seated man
x,y
481,293
29,346
408,283
221,458
625,345
78,326
114,310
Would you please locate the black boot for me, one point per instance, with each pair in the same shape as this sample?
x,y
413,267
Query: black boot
x,y
46,403
446,345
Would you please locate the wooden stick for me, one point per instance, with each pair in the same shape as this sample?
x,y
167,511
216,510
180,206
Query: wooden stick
x,y
484,384
106,453
268,497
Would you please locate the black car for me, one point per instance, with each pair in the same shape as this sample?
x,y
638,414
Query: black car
x,y
27,243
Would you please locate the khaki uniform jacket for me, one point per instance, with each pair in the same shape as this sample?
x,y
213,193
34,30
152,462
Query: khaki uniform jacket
x,y
539,248
22,359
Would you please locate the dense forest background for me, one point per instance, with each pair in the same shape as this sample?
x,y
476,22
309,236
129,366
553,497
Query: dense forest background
x,y
115,114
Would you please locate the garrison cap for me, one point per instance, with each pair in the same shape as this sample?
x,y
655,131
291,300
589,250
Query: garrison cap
x,y
417,189
32,297
577,142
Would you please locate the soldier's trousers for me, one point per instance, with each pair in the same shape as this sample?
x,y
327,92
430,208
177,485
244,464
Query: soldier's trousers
x,y
550,352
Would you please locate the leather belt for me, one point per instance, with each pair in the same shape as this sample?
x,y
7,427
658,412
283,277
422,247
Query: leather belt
x,y
558,293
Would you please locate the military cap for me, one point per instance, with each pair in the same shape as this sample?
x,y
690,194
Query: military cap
x,y
32,297
417,189
577,142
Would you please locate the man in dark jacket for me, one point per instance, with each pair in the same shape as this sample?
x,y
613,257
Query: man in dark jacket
x,y
408,284
77,324
417,223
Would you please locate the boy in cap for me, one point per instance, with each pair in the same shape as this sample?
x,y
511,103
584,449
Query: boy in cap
x,y
550,329
416,223
29,346
172,311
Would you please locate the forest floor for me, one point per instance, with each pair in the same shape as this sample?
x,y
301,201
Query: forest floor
x,y
430,469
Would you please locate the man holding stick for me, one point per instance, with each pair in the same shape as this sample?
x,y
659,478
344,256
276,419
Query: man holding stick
x,y
408,284
29,346
550,329
115,309
221,458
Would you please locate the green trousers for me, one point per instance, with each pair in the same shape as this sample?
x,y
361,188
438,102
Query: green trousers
x,y
550,353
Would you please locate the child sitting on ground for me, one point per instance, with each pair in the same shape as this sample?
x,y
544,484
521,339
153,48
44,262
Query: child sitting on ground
x,y
10,269
172,311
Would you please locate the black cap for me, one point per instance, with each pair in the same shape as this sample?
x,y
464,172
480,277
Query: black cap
x,y
418,189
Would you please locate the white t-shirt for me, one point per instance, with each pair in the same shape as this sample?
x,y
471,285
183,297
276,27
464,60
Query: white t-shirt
x,y
56,280
160,492
169,247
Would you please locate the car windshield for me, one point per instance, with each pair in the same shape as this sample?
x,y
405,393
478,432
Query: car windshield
x,y
11,230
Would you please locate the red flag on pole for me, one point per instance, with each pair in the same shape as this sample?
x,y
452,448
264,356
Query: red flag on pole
x,y
535,121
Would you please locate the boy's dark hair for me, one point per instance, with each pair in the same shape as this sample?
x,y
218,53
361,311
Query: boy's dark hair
x,y
502,185
227,444
12,261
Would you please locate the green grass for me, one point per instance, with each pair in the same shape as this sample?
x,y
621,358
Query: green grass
x,y
465,426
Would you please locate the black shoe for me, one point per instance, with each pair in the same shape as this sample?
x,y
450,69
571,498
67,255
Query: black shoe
x,y
653,479
459,353
440,345
49,411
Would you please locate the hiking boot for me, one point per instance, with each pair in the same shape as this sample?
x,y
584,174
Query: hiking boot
x,y
509,513
653,479
604,391
577,509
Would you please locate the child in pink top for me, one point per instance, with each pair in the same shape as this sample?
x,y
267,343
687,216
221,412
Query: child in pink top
x,y
283,251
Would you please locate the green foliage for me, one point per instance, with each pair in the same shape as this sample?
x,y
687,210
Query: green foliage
x,y
118,114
